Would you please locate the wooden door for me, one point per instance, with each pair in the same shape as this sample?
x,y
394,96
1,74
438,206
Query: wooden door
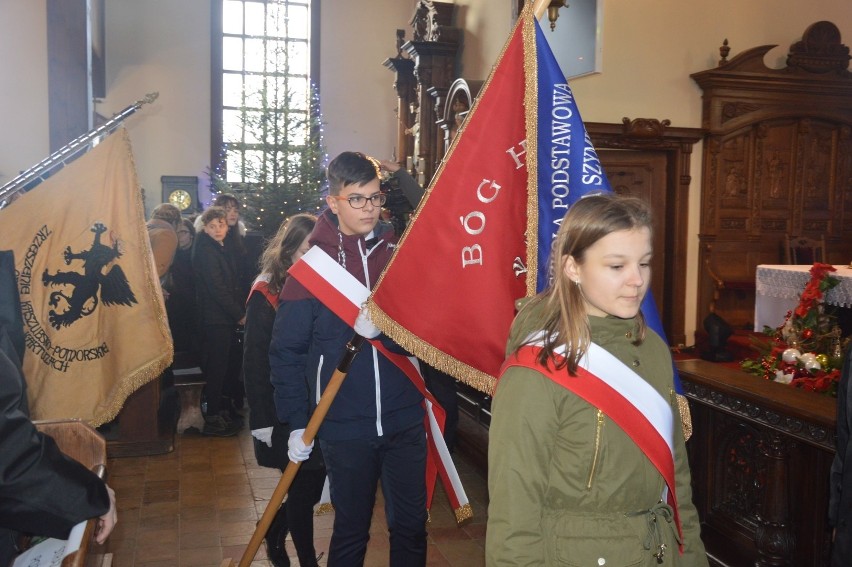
x,y
642,174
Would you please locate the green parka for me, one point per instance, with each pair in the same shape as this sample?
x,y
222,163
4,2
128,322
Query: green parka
x,y
567,486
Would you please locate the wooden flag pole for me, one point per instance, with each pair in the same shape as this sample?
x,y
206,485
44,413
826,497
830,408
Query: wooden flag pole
x,y
540,7
352,348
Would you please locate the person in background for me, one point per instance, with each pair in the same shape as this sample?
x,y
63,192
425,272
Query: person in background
x,y
296,514
162,231
220,310
840,485
180,285
374,428
235,245
568,481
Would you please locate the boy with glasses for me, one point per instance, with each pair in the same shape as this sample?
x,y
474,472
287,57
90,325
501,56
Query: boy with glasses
x,y
374,428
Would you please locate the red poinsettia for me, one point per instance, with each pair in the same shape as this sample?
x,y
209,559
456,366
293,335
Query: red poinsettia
x,y
813,291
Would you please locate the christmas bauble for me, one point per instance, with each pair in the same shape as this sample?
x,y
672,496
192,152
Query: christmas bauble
x,y
809,361
823,360
807,333
791,355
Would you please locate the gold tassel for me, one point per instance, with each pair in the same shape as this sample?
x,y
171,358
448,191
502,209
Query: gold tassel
x,y
685,416
463,514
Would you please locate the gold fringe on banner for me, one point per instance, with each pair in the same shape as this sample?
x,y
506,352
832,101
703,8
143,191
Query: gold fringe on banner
x,y
531,121
429,354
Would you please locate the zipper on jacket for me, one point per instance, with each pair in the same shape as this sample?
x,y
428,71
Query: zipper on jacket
x,y
598,430
379,429
319,380
365,254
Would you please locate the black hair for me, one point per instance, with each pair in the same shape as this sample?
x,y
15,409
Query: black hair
x,y
225,199
350,168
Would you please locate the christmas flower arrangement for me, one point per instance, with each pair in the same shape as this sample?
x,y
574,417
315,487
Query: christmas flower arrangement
x,y
806,351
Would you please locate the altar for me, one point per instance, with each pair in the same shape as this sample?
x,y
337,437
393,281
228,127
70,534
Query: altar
x,y
778,288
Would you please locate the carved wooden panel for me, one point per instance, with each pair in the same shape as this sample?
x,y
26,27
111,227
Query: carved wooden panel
x,y
760,456
776,161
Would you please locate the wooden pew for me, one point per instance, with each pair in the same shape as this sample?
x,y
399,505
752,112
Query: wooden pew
x,y
82,443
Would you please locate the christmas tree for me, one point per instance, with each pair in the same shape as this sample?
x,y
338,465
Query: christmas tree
x,y
287,171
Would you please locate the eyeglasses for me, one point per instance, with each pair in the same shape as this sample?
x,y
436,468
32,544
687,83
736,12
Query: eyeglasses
x,y
360,201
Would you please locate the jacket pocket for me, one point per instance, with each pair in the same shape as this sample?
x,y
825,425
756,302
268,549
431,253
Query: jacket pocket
x,y
609,540
592,550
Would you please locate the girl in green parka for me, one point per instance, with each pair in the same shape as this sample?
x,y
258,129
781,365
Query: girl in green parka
x,y
586,461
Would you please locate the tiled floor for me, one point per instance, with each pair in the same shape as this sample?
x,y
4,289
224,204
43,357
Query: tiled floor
x,y
200,503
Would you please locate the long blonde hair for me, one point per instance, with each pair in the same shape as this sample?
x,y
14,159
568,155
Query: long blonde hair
x,y
277,257
566,320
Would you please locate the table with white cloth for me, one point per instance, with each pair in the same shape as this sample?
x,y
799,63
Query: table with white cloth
x,y
778,288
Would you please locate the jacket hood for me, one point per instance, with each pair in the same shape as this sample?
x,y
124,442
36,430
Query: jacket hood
x,y
348,249
363,256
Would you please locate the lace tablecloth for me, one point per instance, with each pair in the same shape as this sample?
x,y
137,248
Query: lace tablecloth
x,y
779,287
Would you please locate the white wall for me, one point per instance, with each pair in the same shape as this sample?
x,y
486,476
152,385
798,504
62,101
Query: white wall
x,y
161,46
357,95
24,135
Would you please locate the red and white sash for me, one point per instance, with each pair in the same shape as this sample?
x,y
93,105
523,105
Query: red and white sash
x,y
261,285
344,295
625,397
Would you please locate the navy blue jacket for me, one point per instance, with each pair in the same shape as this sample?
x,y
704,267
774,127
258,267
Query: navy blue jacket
x,y
376,398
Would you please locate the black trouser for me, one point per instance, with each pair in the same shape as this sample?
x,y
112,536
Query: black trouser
x,y
304,493
354,469
216,349
233,388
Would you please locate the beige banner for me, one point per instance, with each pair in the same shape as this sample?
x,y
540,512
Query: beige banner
x,y
94,319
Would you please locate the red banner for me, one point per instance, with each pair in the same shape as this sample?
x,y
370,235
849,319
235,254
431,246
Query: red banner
x,y
448,293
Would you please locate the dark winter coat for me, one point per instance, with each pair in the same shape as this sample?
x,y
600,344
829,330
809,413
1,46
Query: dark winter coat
x,y
260,316
217,286
376,398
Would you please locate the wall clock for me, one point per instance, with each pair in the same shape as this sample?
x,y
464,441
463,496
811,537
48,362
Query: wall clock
x,y
180,199
182,192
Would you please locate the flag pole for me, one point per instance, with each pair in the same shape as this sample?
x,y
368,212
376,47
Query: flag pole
x,y
352,348
68,151
539,8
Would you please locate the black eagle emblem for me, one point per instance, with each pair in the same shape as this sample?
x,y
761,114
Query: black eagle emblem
x,y
113,286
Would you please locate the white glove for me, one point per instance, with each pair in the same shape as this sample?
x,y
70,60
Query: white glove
x,y
264,435
297,450
364,326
